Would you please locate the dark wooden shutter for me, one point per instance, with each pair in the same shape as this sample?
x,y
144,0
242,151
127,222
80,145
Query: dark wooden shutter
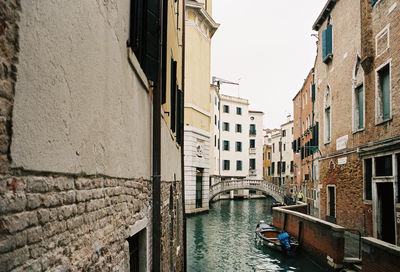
x,y
136,29
173,94
313,92
179,117
152,42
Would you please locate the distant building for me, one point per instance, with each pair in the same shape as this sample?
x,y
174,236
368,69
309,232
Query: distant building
x,y
282,165
237,143
267,155
305,143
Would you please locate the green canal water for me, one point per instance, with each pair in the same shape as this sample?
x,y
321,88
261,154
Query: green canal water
x,y
222,240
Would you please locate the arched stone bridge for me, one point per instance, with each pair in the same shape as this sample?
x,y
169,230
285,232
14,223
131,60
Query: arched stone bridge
x,y
239,184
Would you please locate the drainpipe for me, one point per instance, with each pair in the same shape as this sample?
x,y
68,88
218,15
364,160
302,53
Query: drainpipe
x,y
183,140
156,188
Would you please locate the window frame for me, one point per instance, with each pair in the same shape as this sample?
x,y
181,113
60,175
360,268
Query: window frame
x,y
378,107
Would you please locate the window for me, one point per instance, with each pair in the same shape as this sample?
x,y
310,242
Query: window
x,y
283,167
239,146
327,115
173,93
278,170
225,126
272,168
284,147
226,108
269,155
327,43
269,170
239,128
199,187
252,164
383,94
273,147
238,111
291,166
331,210
226,165
252,143
284,133
252,129
137,251
215,140
368,179
383,166
215,119
306,96
239,165
291,180
144,37
359,107
226,145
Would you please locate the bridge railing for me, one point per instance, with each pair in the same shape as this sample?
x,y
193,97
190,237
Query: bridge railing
x,y
246,183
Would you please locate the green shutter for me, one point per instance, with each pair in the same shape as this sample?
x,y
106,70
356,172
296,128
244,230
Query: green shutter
x,y
373,2
324,44
179,117
385,88
329,39
360,107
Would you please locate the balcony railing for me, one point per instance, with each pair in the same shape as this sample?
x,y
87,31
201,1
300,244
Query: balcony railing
x,y
252,150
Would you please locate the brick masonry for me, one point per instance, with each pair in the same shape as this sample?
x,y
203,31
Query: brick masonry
x,y
348,180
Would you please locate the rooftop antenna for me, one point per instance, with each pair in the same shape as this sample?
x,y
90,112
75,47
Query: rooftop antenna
x,y
219,81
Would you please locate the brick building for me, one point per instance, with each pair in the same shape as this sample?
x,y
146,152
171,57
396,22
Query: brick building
x,y
337,77
305,142
90,169
379,140
357,91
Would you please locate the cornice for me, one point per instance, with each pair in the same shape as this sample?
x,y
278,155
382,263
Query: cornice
x,y
198,8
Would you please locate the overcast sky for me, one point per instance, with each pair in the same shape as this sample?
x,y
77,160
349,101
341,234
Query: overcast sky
x,y
267,46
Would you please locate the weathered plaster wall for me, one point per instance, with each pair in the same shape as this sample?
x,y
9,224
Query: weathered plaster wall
x,y
79,107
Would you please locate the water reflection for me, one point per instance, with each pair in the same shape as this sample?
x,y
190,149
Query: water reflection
x,y
222,240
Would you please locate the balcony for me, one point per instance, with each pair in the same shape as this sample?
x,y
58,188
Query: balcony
x,y
252,150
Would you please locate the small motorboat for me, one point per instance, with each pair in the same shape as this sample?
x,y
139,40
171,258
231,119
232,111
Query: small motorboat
x,y
270,236
277,204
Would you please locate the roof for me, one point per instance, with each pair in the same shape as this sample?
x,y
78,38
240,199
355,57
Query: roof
x,y
324,14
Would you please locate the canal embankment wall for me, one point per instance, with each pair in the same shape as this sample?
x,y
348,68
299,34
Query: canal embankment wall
x,y
378,255
323,240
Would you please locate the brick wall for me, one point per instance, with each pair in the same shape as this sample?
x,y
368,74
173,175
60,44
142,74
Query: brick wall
x,y
379,256
348,179
321,239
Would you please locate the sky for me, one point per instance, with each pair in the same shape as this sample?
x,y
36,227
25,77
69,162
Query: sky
x,y
267,47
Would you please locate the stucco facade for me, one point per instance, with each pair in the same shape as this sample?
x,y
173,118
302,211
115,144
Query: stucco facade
x,y
76,171
199,29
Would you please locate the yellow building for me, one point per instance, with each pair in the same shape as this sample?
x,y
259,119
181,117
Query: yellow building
x,y
199,29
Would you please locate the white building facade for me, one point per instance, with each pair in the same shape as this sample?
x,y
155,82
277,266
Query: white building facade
x,y
236,143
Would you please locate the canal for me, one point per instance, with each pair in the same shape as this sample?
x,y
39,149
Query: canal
x,y
222,240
